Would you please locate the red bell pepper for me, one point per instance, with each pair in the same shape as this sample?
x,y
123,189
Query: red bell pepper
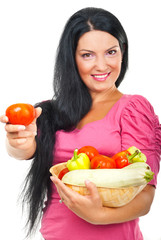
x,y
124,158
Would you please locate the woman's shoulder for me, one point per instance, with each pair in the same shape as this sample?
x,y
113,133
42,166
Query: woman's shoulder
x,y
132,104
138,111
137,104
132,98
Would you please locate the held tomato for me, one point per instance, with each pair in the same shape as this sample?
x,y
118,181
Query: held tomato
x,y
90,151
101,161
20,113
62,173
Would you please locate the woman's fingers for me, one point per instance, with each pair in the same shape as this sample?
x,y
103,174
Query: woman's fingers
x,y
71,197
3,119
13,128
65,193
21,134
61,187
88,207
91,188
38,112
19,138
93,192
17,142
69,193
10,128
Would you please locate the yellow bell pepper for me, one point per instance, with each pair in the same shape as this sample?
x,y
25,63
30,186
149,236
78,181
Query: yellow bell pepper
x,y
140,157
78,161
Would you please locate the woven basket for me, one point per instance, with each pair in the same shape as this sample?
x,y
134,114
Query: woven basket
x,y
111,197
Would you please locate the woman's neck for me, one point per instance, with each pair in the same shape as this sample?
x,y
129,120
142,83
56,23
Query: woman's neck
x,y
107,96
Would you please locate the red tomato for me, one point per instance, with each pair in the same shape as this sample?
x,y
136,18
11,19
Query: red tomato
x,y
90,151
20,113
121,159
101,161
62,173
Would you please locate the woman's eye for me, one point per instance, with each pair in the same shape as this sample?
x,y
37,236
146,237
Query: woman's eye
x,y
87,55
111,52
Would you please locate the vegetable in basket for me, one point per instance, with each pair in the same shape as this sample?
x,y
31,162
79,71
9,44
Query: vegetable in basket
x,y
90,151
63,172
124,158
101,161
110,178
78,161
140,157
128,156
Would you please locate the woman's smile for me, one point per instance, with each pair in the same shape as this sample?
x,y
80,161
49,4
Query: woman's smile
x,y
101,77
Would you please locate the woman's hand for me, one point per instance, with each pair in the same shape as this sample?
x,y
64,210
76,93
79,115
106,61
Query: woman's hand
x,y
21,142
88,207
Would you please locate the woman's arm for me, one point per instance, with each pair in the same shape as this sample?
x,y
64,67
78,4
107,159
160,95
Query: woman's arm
x,y
138,207
90,207
20,140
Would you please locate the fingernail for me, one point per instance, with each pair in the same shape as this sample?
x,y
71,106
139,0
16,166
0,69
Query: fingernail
x,y
52,178
5,118
22,127
87,181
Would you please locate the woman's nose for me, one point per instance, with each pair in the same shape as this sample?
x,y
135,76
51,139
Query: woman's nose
x,y
101,64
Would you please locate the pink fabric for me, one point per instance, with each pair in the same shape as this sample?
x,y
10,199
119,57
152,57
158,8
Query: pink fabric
x,y
130,122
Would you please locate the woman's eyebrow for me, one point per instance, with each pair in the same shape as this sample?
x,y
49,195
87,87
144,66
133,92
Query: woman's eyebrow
x,y
112,47
87,50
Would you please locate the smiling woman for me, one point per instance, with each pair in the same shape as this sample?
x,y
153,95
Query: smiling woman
x,y
87,109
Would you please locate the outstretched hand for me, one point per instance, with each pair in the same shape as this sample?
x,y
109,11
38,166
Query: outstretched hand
x,y
18,135
21,139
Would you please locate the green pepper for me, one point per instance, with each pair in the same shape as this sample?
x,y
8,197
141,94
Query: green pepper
x,y
140,157
78,161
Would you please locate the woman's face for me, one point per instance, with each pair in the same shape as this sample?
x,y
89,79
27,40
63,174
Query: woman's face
x,y
98,59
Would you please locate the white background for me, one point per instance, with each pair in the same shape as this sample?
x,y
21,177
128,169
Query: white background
x,y
29,34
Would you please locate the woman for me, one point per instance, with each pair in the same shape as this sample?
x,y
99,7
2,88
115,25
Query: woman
x,y
87,109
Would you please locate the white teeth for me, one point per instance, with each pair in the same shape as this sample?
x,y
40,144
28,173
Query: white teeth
x,y
101,76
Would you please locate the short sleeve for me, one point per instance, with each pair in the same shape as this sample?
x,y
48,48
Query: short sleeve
x,y
140,127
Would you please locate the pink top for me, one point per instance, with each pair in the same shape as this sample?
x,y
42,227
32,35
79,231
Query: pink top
x,y
130,122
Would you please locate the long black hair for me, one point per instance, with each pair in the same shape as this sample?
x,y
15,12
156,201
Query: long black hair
x,y
71,101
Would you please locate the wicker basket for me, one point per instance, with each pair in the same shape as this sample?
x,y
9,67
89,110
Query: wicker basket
x,y
111,197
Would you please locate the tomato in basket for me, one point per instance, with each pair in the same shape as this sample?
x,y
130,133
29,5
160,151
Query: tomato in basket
x,y
90,151
62,173
102,161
